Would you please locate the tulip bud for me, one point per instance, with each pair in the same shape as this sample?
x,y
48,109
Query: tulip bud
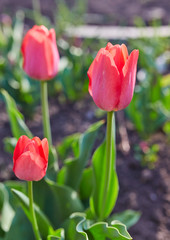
x,y
40,53
30,158
112,77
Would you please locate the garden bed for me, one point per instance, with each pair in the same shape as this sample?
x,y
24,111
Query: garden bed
x,y
101,12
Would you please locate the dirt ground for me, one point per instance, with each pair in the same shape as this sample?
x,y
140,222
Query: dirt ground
x,y
114,12
141,189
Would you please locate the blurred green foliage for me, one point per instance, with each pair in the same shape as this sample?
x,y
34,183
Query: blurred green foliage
x,y
150,107
12,77
147,154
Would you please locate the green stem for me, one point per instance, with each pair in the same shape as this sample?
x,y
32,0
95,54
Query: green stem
x,y
109,146
45,112
34,220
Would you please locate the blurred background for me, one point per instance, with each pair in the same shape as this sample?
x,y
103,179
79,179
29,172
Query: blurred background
x,y
143,132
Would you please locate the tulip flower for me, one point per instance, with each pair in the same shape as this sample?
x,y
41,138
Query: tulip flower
x,y
40,53
30,158
112,77
41,61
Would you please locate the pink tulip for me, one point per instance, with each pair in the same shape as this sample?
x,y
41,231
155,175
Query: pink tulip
x,y
30,158
40,53
112,77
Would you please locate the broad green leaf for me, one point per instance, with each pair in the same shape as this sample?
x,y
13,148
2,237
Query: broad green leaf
x,y
17,185
6,211
100,230
57,234
86,184
56,201
52,164
74,167
2,234
67,145
128,217
99,171
70,227
20,228
43,222
18,126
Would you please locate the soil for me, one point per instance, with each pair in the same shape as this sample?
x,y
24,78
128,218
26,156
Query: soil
x,y
141,189
117,12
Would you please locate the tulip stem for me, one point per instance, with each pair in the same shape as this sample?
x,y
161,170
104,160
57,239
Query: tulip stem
x,y
34,220
110,144
45,112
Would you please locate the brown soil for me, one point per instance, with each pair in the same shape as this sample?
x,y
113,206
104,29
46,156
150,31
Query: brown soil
x,y
117,12
147,191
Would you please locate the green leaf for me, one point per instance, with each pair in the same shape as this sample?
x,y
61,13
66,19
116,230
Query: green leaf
x,y
99,171
128,217
74,167
17,185
86,184
52,164
57,234
67,145
43,222
18,126
6,211
20,228
100,230
56,201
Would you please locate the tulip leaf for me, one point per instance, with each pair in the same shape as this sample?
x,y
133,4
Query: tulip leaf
x,y
43,222
100,230
17,185
20,228
74,167
128,217
67,145
6,211
52,164
56,201
86,184
18,126
102,202
57,234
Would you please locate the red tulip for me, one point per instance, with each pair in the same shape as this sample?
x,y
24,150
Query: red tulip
x,y
40,53
112,77
30,158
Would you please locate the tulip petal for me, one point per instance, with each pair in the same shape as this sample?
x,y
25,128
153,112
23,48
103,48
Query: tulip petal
x,y
37,140
41,147
105,82
128,81
89,73
119,54
124,52
30,167
32,147
40,53
45,148
20,146
35,56
51,54
42,29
